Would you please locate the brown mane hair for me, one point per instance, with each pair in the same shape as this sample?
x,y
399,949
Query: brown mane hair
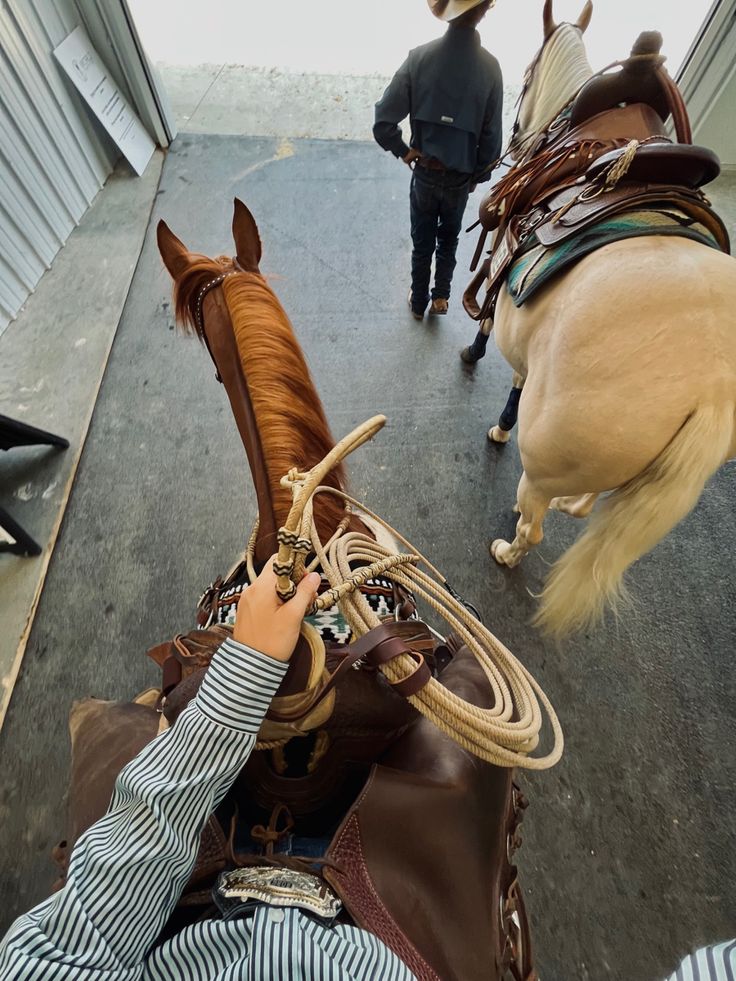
x,y
288,412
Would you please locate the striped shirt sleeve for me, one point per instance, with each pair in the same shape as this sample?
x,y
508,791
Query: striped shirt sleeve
x,y
715,963
127,871
239,690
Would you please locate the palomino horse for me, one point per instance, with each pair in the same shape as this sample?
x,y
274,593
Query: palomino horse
x,y
628,366
370,762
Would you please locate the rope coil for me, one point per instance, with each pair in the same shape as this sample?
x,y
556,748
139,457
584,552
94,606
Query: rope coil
x,y
504,734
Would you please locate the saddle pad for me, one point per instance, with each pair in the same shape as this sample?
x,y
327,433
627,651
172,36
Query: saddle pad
x,y
537,265
330,624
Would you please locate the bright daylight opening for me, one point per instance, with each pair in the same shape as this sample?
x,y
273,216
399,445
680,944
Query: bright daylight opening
x,y
204,61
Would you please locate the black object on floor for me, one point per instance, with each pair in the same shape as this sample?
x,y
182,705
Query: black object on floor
x,y
14,433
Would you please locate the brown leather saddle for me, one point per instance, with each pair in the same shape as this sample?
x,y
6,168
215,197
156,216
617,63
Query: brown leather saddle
x,y
612,156
402,810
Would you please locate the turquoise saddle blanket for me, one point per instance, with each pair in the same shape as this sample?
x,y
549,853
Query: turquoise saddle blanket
x,y
537,265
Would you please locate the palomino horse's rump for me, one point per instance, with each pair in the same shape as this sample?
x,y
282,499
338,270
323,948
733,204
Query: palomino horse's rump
x,y
611,299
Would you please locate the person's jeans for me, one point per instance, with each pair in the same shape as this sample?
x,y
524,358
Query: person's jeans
x,y
437,201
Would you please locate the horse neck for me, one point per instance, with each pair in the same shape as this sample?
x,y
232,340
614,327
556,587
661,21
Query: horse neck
x,y
562,71
287,411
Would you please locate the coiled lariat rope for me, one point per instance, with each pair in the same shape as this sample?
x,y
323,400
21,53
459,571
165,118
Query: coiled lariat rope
x,y
504,734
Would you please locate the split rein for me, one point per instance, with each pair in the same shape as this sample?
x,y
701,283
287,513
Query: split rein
x,y
505,734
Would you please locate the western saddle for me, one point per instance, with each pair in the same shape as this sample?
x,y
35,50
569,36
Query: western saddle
x,y
606,153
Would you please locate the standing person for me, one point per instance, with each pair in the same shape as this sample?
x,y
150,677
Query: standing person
x,y
452,91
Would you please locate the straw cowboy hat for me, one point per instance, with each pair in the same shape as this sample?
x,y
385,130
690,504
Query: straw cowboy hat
x,y
450,9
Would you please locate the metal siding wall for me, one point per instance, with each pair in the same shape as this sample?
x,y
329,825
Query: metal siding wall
x,y
53,160
706,79
113,32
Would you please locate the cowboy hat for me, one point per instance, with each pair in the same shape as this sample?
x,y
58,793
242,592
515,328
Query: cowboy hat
x,y
450,9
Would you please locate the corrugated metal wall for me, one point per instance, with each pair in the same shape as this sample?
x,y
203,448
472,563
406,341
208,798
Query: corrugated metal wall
x,y
707,79
53,160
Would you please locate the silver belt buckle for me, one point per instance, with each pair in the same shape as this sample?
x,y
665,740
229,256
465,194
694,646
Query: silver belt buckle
x,y
279,887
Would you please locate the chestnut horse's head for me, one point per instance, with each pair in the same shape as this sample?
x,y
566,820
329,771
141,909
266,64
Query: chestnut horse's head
x,y
233,310
557,72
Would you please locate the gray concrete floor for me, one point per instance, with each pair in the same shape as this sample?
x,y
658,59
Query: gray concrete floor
x,y
52,358
628,860
237,100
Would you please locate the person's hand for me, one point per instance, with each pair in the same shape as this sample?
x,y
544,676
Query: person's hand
x,y
411,156
265,622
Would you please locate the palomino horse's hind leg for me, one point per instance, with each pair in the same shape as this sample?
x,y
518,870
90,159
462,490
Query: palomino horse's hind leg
x,y
532,506
578,507
507,420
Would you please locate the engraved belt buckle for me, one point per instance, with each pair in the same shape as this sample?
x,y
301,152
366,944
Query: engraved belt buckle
x,y
240,890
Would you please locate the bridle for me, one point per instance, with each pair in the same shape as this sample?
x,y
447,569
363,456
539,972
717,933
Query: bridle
x,y
198,321
199,303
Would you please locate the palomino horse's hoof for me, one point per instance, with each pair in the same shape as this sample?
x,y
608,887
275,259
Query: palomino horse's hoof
x,y
498,549
498,435
467,356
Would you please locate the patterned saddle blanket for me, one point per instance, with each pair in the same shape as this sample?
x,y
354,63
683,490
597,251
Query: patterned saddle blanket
x,y
537,264
331,625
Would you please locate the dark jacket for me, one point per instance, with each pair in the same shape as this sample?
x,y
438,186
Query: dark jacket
x,y
452,90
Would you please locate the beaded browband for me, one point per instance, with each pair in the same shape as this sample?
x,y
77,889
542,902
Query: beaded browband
x,y
203,293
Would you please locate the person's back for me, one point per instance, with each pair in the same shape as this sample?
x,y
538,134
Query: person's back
x,y
453,80
452,90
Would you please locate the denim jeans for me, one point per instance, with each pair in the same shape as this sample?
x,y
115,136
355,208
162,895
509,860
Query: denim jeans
x,y
437,201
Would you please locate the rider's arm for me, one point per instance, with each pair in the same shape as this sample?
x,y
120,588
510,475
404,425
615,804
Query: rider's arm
x,y
127,871
393,106
489,141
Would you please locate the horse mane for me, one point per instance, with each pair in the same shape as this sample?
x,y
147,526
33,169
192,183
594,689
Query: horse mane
x,y
560,72
288,413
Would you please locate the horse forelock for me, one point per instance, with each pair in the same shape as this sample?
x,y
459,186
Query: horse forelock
x,y
559,74
291,422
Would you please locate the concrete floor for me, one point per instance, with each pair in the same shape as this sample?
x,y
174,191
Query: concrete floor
x,y
629,858
237,100
52,358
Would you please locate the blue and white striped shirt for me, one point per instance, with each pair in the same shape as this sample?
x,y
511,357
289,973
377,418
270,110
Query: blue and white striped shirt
x,y
127,871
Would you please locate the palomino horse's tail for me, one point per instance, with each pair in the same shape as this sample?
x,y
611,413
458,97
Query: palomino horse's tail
x,y
632,520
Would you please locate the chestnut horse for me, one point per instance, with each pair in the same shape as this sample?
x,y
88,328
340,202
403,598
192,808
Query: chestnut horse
x,y
628,366
482,704
279,414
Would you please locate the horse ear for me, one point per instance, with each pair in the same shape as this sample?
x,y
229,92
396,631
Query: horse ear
x,y
173,251
584,19
549,22
246,237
